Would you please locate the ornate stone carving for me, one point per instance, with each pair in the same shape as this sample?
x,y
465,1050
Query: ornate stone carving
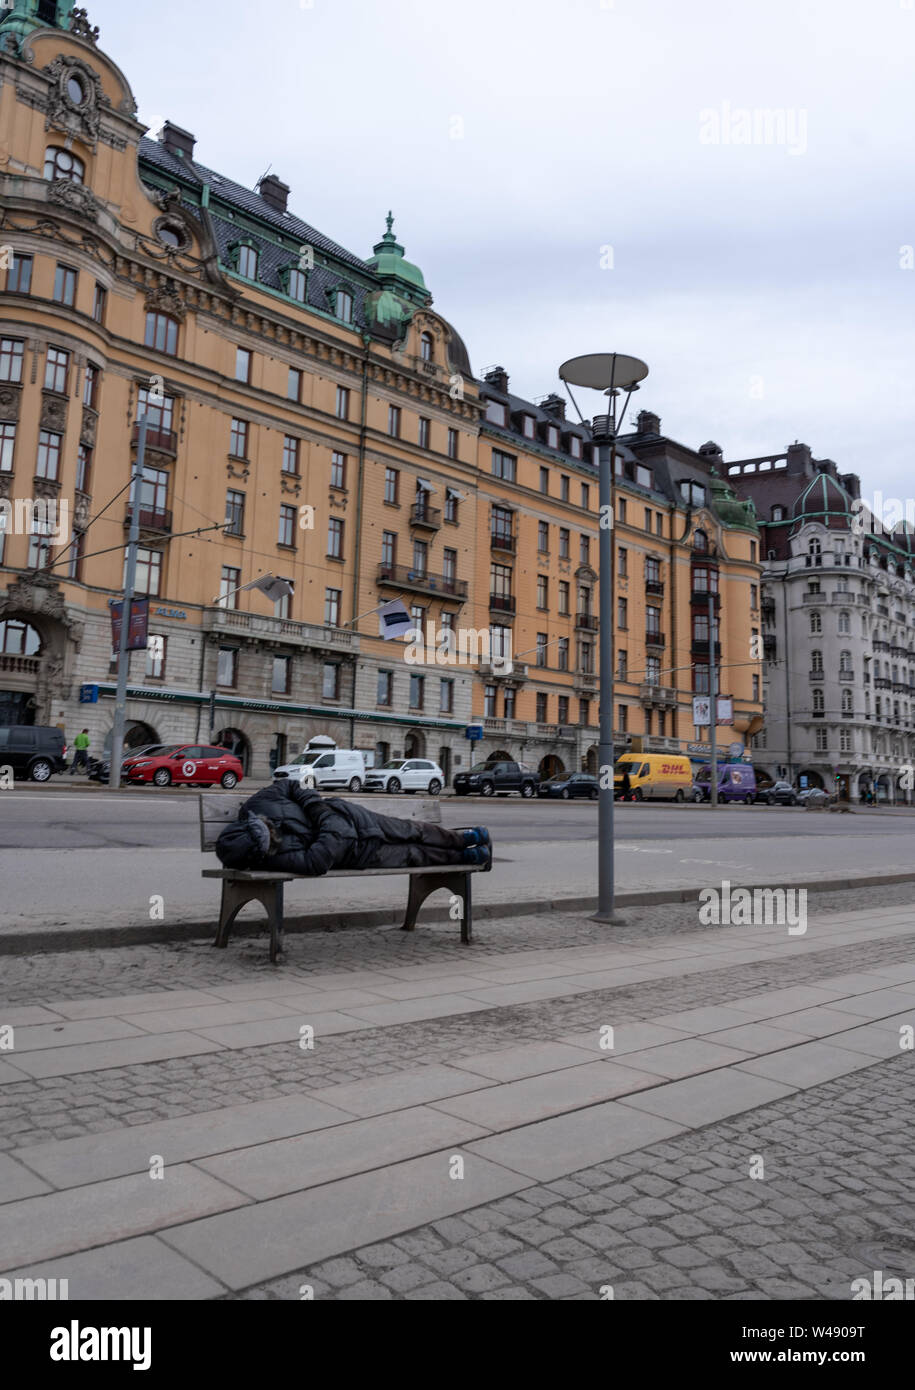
x,y
74,196
338,502
45,487
82,117
165,299
291,485
35,593
53,412
80,26
10,400
6,484
87,433
81,504
234,472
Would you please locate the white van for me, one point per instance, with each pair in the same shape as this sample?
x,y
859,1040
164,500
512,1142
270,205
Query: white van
x,y
329,767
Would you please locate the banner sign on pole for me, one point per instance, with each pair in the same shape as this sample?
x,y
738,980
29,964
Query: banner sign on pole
x,y
138,627
702,710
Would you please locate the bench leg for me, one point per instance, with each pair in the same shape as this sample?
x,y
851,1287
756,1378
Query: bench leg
x,y
422,885
235,896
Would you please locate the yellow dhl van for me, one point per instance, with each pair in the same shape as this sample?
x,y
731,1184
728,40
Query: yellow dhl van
x,y
654,777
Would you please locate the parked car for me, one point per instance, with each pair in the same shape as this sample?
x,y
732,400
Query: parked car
x,y
697,792
569,784
186,764
654,777
780,794
33,750
736,782
813,796
412,775
334,767
100,768
497,778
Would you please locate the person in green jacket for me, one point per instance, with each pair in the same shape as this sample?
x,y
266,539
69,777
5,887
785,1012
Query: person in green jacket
x,y
81,756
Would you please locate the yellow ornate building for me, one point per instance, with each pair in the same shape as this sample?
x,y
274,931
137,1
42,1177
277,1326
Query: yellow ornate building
x,y
310,417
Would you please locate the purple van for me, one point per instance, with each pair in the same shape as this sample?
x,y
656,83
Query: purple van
x,y
736,782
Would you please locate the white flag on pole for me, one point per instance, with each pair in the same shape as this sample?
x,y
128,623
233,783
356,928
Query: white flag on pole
x,y
274,588
394,620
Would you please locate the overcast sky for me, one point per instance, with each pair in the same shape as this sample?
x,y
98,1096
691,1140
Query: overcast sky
x,y
585,175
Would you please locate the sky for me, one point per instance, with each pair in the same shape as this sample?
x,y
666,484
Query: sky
x,y
722,188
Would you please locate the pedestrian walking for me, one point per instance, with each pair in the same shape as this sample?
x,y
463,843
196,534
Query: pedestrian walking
x,y
81,755
626,786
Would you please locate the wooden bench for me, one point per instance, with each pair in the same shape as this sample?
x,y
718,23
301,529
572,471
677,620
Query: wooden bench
x,y
243,886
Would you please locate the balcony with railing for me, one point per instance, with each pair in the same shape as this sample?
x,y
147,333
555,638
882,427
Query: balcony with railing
x,y
814,598
500,539
702,596
586,680
421,582
654,639
162,441
846,677
502,603
19,665
651,694
258,627
700,647
157,519
655,586
817,674
425,517
587,622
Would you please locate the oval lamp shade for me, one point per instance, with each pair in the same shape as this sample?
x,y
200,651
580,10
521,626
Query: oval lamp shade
x,y
604,371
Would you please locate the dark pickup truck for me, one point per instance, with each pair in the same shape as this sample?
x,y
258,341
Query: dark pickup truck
x,y
494,779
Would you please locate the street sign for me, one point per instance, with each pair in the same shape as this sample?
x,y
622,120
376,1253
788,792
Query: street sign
x,y
735,750
474,732
88,694
702,710
725,710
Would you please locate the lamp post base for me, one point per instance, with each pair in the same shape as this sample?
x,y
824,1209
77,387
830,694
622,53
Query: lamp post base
x,y
611,918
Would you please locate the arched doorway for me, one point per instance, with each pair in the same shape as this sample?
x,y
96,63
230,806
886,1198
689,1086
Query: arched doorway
x,y
499,756
20,660
814,778
444,762
237,743
136,735
414,744
550,766
589,762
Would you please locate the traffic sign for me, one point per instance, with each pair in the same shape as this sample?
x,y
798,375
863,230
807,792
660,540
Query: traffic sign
x,y
474,732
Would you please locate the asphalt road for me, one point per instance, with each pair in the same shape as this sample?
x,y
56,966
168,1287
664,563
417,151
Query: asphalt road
x,y
50,819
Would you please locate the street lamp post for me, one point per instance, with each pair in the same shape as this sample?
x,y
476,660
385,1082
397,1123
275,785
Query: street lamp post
x,y
120,708
612,373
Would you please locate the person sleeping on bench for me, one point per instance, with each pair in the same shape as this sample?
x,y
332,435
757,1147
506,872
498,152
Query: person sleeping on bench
x,y
291,829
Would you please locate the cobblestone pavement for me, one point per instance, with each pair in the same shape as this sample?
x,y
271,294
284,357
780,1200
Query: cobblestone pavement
x,y
682,1219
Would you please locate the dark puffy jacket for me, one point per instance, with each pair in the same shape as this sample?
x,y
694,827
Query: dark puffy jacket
x,y
316,833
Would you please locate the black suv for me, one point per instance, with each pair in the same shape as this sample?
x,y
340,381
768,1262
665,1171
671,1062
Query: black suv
x,y
33,750
780,793
491,779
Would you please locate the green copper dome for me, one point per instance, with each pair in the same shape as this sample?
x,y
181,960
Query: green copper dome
x,y
388,262
728,507
387,314
19,19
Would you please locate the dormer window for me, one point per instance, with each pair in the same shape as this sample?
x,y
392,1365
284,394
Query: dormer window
x,y
61,164
528,426
247,262
495,412
575,446
700,541
343,306
778,513
297,285
643,475
552,436
692,493
426,347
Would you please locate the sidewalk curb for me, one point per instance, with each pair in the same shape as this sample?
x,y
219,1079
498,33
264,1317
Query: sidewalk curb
x,y
25,943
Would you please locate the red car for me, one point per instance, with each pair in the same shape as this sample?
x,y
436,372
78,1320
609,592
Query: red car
x,y
190,764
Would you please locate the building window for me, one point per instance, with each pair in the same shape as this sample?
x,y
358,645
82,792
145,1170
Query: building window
x,y
149,571
338,469
489,701
756,688
622,715
7,446
564,597
385,695
418,615
297,286
286,533
161,333
75,557
48,465
335,538
584,712
247,262
543,591
39,547
388,549
844,622
847,707
57,366
449,565
290,454
778,513
621,510
584,550
235,513
451,505
99,303
238,439
281,606
11,359
503,465
659,524
294,385
543,537
653,621
394,421
545,481
564,541
647,518
562,654
845,664
420,558
229,583
622,609
585,496
508,702
423,433
242,364
342,402
90,386
426,347
500,526
752,552
155,656
19,275
159,412
446,697
822,740
563,487
816,661
562,709
621,666
705,580
332,607
65,285
154,491
542,644
391,485
495,412
816,623
279,684
452,444
844,740
227,667
330,682
61,164
417,692
343,306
